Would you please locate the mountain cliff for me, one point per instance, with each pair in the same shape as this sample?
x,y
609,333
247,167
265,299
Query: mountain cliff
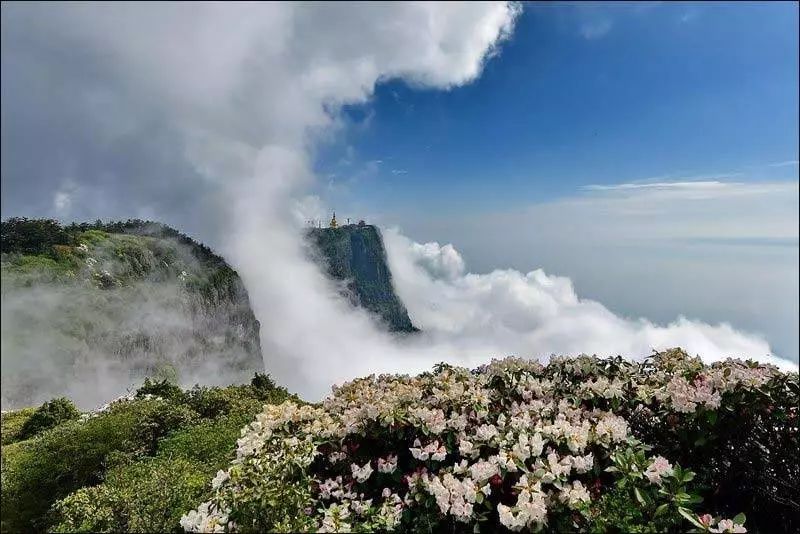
x,y
354,254
89,309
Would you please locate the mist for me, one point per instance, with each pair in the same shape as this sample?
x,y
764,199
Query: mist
x,y
240,98
69,337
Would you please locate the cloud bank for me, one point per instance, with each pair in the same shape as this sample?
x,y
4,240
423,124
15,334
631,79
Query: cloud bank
x,y
538,314
207,116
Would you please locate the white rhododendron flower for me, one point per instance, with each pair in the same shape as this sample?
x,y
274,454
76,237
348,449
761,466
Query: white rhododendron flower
x,y
575,495
221,477
361,474
388,465
727,525
658,469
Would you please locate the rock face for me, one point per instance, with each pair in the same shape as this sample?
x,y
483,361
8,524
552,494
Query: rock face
x,y
89,310
354,254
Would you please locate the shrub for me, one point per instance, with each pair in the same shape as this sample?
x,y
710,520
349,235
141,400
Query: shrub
x,y
150,493
145,496
159,388
72,455
11,424
216,402
47,416
512,445
156,421
743,445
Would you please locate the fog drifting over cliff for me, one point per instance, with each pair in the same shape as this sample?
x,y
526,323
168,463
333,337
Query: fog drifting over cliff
x,y
206,116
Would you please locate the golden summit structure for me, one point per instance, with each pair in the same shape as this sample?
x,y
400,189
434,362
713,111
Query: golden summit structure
x,y
334,224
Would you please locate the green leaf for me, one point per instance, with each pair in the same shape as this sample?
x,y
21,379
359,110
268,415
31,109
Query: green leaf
x,y
661,509
695,498
688,475
690,517
712,417
638,495
740,519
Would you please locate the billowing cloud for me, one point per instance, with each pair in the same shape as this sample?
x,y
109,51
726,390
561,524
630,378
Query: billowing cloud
x,y
153,107
538,314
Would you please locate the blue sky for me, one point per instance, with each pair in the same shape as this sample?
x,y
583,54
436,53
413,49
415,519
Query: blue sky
x,y
584,94
587,95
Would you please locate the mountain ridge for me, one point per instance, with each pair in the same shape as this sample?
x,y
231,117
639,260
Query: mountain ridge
x,y
117,301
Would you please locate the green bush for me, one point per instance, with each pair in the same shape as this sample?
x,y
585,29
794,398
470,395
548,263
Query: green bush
x,y
266,389
137,466
150,494
146,496
157,420
11,424
215,402
160,388
74,454
47,416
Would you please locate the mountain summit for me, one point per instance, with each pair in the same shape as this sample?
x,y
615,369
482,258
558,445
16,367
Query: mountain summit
x,y
355,255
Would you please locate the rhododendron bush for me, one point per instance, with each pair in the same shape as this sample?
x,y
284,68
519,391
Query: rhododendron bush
x,y
578,444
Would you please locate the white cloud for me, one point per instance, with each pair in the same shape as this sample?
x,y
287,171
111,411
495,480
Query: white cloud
x,y
62,201
721,252
707,185
535,314
596,29
644,194
788,163
440,261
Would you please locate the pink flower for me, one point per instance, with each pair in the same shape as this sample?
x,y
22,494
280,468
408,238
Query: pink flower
x,y
658,469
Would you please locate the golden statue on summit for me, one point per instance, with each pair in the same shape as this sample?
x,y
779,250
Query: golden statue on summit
x,y
334,224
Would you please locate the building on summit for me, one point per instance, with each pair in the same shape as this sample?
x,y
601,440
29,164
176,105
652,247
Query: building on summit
x,y
334,224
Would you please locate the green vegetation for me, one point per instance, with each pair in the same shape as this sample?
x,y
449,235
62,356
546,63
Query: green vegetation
x,y
136,465
11,424
644,444
33,236
47,416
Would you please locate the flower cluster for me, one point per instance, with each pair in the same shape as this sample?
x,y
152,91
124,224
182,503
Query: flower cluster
x,y
514,441
659,468
719,525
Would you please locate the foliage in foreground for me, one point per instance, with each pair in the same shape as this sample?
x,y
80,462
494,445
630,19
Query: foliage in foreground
x,y
519,446
135,464
579,444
